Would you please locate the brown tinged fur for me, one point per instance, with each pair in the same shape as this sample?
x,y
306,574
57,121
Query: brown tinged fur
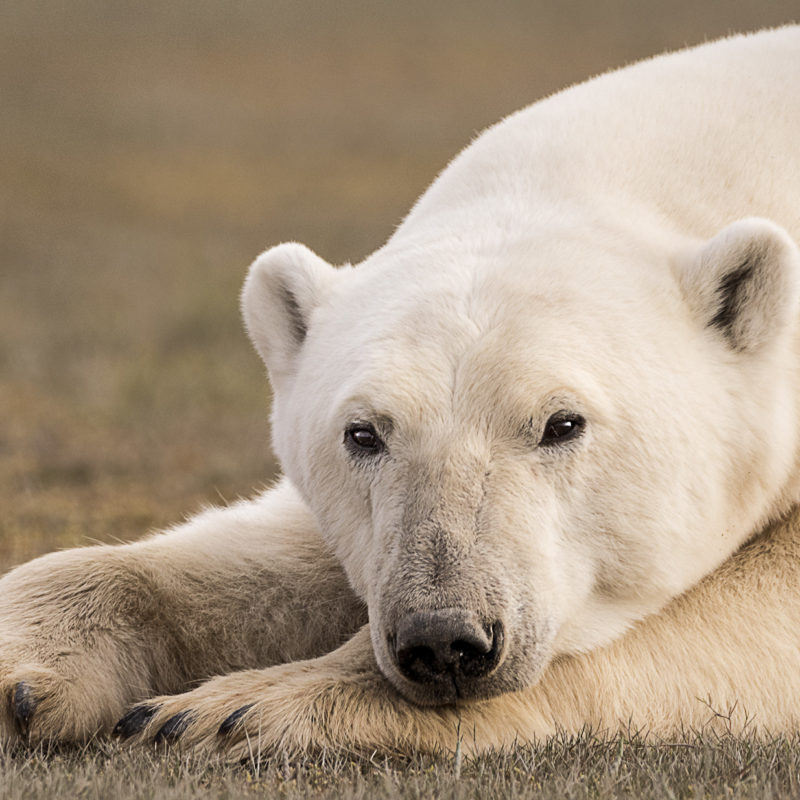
x,y
136,632
92,630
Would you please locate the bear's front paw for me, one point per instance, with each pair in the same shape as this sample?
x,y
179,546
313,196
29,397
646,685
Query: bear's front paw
x,y
73,652
339,701
237,714
38,705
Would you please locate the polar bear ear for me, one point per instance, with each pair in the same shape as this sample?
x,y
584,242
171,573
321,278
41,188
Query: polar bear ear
x,y
283,287
745,283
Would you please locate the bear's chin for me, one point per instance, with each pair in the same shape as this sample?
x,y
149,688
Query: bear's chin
x,y
457,689
512,674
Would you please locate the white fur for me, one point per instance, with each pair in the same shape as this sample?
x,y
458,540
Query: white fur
x,y
572,256
625,251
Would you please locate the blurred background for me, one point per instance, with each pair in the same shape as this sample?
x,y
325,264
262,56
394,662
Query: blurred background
x,y
150,150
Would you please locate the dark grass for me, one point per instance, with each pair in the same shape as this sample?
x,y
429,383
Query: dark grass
x,y
148,152
584,766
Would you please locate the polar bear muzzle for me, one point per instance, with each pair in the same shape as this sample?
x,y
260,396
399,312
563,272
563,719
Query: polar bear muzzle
x,y
445,646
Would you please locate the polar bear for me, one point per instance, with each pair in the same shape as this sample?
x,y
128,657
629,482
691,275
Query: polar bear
x,y
540,454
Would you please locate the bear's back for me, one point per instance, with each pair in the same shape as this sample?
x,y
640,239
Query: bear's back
x,y
685,142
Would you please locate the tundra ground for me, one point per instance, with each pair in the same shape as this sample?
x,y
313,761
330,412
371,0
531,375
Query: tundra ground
x,y
561,769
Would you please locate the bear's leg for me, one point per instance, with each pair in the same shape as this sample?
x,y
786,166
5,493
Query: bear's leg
x,y
340,700
86,632
725,655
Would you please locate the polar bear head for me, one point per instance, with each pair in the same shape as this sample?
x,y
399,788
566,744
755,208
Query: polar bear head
x,y
518,448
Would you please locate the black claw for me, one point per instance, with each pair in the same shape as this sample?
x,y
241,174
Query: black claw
x,y
134,721
24,704
174,727
231,720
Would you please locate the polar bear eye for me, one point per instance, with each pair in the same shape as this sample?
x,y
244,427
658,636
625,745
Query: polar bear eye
x,y
361,438
561,427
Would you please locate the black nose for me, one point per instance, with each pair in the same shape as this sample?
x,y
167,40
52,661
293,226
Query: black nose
x,y
430,645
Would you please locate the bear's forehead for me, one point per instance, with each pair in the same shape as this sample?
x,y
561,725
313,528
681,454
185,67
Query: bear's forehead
x,y
494,300
487,325
446,356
